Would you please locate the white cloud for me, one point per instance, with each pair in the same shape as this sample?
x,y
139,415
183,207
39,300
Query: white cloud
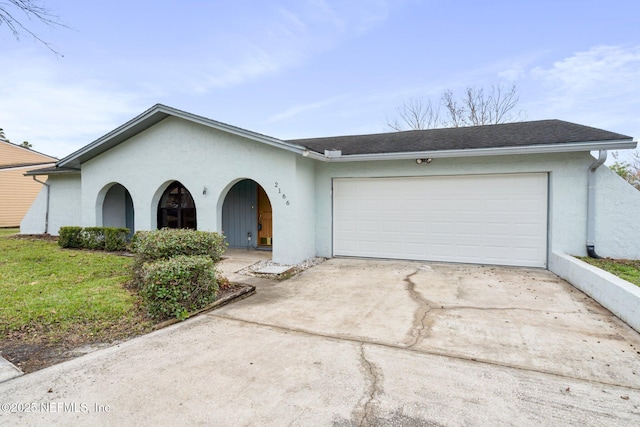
x,y
597,87
601,73
600,68
516,72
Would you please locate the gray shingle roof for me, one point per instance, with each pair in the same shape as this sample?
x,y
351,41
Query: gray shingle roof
x,y
521,134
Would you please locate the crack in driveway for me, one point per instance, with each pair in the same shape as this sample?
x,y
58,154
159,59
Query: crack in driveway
x,y
373,378
426,309
419,327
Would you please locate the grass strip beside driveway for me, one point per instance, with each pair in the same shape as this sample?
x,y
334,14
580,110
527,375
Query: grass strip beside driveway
x,y
626,269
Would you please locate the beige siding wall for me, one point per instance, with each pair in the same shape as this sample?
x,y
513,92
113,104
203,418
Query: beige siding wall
x,y
12,155
17,192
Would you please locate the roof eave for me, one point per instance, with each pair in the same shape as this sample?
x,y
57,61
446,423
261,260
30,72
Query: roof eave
x,y
154,115
26,165
476,152
52,171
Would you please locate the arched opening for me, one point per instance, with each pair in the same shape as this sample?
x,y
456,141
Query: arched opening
x,y
176,208
247,216
117,209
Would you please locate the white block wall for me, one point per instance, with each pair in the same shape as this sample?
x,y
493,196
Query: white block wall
x,y
64,206
618,296
617,216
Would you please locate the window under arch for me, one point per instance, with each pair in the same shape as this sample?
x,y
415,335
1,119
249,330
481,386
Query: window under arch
x,y
176,208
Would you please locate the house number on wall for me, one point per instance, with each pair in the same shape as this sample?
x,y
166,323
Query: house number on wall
x,y
284,196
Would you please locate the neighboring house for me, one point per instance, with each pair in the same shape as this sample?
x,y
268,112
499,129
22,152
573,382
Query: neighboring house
x,y
508,194
17,192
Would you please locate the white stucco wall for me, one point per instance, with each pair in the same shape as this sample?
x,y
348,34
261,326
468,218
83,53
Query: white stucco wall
x,y
200,157
64,206
304,206
567,189
33,220
617,216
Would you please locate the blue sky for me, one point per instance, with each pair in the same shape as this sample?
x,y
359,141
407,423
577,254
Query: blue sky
x,y
304,68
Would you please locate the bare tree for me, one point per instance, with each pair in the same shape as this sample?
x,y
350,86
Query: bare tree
x,y
475,108
502,104
478,107
416,113
455,110
12,11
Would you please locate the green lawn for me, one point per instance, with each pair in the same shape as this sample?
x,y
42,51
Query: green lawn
x,y
628,270
51,294
8,231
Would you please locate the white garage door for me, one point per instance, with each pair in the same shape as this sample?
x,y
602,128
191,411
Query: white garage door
x,y
482,219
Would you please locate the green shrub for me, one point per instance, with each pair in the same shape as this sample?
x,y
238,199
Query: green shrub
x,y
102,238
149,246
173,287
92,238
70,237
115,239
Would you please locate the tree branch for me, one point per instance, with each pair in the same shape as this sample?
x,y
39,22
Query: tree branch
x,y
31,9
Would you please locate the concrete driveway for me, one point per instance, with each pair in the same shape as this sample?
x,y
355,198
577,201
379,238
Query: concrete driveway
x,y
358,342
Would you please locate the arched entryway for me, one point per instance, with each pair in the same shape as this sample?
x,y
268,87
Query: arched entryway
x,y
117,209
176,208
247,216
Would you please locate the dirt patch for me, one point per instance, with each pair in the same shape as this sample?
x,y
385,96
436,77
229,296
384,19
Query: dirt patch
x,y
35,356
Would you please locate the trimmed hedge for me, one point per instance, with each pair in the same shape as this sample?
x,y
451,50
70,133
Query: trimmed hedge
x,y
115,239
149,246
70,237
101,238
173,287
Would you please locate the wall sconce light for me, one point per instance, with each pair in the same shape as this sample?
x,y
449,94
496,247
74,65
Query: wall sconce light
x,y
420,161
204,190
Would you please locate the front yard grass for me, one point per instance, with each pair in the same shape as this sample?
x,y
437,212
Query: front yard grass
x,y
8,231
628,270
60,298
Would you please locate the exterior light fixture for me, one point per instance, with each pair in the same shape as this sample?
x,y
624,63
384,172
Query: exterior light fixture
x,y
204,190
420,161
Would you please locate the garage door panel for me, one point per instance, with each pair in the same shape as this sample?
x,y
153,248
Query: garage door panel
x,y
497,219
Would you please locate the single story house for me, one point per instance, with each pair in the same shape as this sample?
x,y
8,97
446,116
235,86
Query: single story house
x,y
506,194
17,192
